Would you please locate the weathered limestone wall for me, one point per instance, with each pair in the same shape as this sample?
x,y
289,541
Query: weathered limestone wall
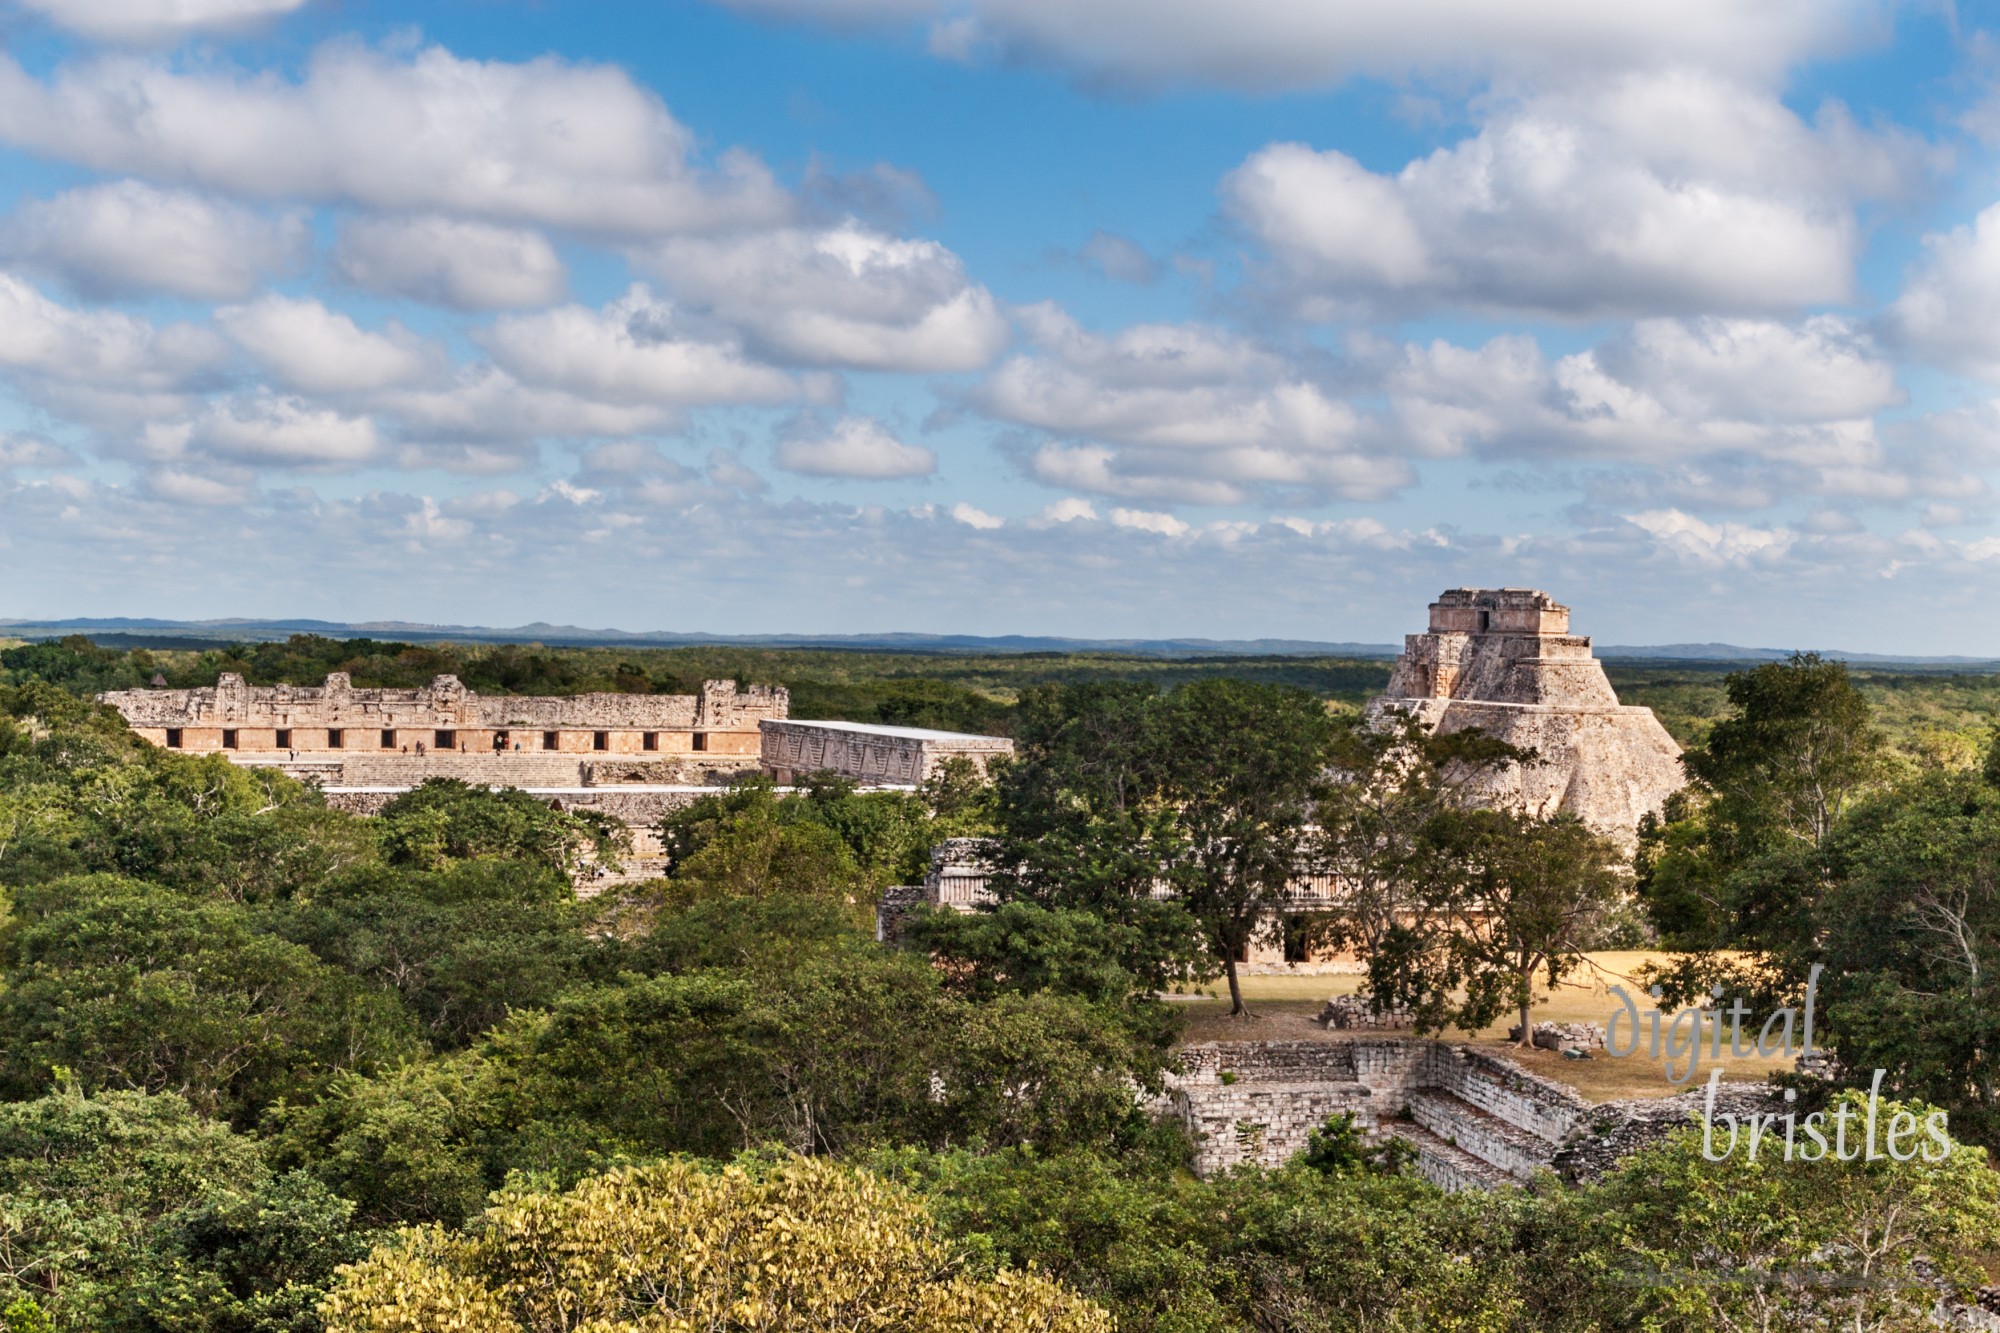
x,y
1264,1124
1474,1119
638,807
1502,661
868,753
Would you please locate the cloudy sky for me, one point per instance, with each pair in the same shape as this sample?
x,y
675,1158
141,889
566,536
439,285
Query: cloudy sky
x,y
1090,317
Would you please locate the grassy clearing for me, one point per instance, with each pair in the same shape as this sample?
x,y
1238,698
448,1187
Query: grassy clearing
x,y
1285,1006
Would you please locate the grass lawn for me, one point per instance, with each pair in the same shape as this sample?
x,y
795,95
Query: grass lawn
x,y
1285,1006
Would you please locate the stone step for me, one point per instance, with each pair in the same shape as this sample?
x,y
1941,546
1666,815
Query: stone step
x,y
1505,1147
1443,1164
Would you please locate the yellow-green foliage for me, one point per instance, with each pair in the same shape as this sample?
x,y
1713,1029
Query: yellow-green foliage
x,y
797,1247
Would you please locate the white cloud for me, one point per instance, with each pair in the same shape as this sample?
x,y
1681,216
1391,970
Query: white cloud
x,y
108,349
854,447
18,451
698,556
1178,411
633,351
318,350
976,518
1069,510
127,238
148,21
1119,258
266,429
1261,45
1166,525
441,261
1949,311
1649,193
726,469
485,405
1666,391
1714,544
428,522
841,297
1821,369
545,142
179,486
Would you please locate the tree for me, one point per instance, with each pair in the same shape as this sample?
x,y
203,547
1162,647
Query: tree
x,y
128,1213
1800,748
1086,823
462,945
1383,822
832,840
132,986
1023,948
445,820
1909,935
1740,863
1526,897
1243,764
791,1246
1770,1244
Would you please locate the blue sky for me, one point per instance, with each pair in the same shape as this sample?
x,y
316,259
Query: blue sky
x,y
1090,317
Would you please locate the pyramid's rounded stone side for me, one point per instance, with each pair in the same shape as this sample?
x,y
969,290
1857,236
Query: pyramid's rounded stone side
x,y
1608,767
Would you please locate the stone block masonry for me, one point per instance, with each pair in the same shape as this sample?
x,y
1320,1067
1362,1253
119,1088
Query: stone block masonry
x,y
870,752
1348,1012
1475,1120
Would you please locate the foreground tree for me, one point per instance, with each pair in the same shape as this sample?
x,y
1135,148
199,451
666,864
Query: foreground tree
x,y
1243,765
1681,1244
130,985
795,1246
1909,933
1085,823
1387,820
1524,898
128,1213
1181,818
1738,861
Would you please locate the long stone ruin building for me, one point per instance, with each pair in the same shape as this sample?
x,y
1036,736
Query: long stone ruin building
x,y
632,757
376,730
1503,661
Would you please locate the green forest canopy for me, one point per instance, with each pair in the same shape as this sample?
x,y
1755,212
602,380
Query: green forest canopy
x,y
252,1038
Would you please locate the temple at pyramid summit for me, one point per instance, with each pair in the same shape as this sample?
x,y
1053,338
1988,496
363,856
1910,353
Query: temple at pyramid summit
x,y
1502,660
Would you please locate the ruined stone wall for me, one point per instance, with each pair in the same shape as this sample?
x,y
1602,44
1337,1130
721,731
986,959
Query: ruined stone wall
x,y
638,808
1474,1119
790,749
509,769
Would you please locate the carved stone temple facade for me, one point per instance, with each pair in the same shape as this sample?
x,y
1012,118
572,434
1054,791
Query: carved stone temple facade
x,y
343,735
1504,662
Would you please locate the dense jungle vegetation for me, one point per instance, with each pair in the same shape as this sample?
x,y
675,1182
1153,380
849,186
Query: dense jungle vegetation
x,y
267,1066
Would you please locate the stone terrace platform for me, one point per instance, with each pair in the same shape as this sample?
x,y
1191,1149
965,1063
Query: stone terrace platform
x,y
1477,1121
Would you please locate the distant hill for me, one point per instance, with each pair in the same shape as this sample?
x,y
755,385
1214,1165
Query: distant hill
x,y
134,632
